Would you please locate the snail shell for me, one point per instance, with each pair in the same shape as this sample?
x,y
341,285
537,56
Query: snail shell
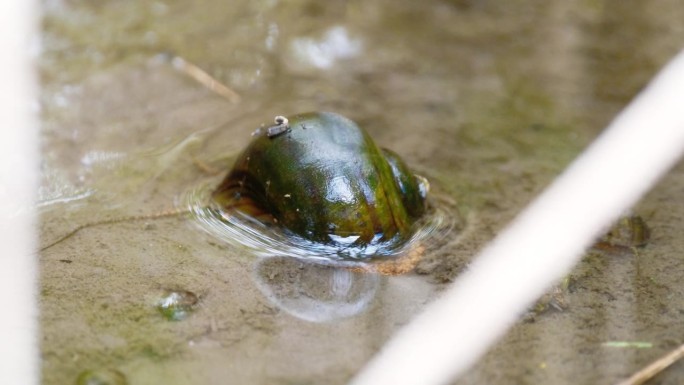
x,y
321,177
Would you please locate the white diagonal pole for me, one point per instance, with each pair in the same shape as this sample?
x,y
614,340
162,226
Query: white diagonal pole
x,y
18,186
542,243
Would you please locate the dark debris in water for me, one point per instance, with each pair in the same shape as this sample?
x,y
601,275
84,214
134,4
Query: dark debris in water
x,y
627,234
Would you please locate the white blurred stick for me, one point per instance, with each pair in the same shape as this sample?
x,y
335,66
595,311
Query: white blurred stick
x,y
542,244
18,186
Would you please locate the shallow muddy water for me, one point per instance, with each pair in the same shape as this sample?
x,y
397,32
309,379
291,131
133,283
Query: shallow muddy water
x,y
488,100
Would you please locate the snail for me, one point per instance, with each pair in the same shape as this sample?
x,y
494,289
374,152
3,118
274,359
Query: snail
x,y
320,177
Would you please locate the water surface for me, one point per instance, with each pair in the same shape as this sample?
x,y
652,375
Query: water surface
x,y
488,100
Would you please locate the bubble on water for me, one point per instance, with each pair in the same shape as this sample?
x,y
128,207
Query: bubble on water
x,y
312,292
176,305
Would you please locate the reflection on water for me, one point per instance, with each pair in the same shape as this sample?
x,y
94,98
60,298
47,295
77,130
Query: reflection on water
x,y
238,229
313,292
334,45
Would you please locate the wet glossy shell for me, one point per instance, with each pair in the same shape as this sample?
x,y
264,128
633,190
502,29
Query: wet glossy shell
x,y
323,178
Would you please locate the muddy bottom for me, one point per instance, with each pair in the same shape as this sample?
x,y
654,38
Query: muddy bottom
x,y
488,101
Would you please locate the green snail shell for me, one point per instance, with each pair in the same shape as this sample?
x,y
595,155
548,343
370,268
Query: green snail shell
x,y
321,177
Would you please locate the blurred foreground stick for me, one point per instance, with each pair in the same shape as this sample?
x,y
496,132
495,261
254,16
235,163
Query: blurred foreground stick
x,y
626,160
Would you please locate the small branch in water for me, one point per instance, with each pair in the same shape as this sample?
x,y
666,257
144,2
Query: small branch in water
x,y
655,367
162,214
204,78
206,167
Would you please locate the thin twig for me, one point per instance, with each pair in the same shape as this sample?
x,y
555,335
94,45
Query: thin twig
x,y
655,367
204,78
162,214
